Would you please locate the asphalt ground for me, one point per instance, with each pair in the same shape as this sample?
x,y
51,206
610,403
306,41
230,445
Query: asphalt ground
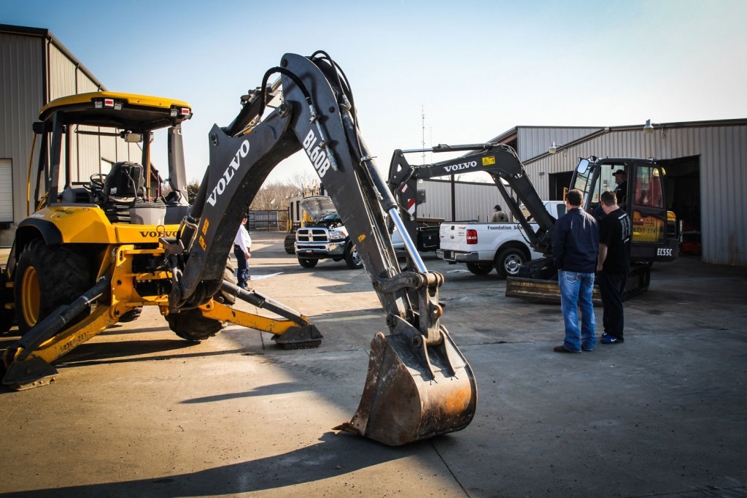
x,y
137,411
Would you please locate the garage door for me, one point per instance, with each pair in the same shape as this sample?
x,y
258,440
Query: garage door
x,y
6,191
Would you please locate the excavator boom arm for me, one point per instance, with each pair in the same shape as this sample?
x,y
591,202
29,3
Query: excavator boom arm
x,y
499,161
419,384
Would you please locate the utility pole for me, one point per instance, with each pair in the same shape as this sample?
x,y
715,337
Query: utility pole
x,y
422,114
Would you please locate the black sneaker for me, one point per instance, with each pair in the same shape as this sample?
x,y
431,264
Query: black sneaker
x,y
611,339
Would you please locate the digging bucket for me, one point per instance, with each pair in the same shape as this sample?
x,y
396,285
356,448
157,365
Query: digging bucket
x,y
414,391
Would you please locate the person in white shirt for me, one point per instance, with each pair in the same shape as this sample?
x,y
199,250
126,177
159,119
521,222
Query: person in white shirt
x,y
242,243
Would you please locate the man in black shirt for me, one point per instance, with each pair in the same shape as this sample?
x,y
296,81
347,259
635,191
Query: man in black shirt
x,y
621,191
613,264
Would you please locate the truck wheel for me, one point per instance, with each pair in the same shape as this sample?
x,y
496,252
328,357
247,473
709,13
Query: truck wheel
x,y
508,261
307,263
290,239
48,277
192,325
352,258
479,268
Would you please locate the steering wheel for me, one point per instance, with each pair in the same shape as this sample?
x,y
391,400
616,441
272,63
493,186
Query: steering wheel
x,y
97,181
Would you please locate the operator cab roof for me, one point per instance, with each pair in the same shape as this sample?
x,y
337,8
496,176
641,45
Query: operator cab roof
x,y
118,110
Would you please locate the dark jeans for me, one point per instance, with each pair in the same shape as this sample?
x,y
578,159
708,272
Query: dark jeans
x,y
242,272
611,288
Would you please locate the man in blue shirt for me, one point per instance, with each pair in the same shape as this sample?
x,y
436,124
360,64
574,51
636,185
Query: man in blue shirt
x,y
575,249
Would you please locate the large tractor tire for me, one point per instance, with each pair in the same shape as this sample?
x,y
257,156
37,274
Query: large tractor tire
x,y
192,326
222,296
352,258
7,316
48,277
289,242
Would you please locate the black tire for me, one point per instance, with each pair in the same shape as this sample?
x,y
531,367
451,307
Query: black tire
x,y
307,263
290,239
508,262
223,297
7,316
479,268
352,259
192,326
48,277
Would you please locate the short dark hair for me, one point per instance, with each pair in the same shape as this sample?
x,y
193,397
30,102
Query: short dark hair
x,y
497,207
608,198
574,197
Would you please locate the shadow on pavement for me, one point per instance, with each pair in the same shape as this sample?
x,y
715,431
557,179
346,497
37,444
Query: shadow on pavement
x,y
333,456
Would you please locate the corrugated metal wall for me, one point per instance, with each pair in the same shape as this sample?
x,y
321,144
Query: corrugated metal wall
x,y
723,176
21,97
534,141
473,201
66,78
35,69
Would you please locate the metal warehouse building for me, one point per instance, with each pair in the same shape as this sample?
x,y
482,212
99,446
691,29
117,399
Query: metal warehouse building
x,y
35,68
705,161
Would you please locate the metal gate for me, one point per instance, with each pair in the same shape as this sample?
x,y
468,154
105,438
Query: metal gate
x,y
267,221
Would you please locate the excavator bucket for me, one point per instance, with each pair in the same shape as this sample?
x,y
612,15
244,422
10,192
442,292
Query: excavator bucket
x,y
547,291
414,391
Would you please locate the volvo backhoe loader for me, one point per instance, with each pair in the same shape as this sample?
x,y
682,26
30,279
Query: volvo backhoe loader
x,y
655,236
418,383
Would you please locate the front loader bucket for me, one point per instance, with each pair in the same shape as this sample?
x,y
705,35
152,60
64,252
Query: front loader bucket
x,y
414,392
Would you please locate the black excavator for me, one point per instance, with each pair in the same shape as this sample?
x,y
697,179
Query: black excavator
x,y
655,236
418,384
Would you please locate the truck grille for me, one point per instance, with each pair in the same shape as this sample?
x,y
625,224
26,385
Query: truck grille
x,y
312,235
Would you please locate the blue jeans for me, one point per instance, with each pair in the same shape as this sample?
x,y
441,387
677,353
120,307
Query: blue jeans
x,y
575,292
242,272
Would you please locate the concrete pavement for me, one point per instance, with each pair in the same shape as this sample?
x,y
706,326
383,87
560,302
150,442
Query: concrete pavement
x,y
139,412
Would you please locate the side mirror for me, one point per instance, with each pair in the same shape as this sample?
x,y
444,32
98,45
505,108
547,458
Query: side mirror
x,y
582,166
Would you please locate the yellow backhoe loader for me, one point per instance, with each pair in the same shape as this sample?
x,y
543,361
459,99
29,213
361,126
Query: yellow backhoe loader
x,y
94,252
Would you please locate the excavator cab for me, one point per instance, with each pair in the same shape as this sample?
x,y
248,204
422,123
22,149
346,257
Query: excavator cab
x,y
641,190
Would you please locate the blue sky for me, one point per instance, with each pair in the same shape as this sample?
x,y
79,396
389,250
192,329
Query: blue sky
x,y
473,68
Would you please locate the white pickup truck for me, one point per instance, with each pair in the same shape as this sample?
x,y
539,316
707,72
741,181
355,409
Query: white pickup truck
x,y
484,246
